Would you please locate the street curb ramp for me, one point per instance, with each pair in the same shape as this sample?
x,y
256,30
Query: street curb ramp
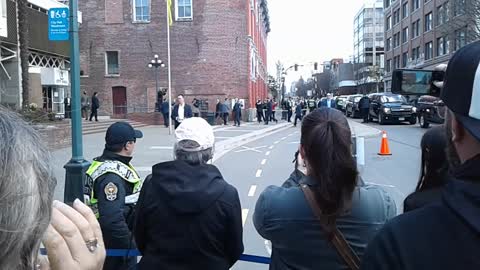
x,y
223,147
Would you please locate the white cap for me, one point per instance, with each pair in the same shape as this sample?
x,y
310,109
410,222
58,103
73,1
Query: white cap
x,y
198,130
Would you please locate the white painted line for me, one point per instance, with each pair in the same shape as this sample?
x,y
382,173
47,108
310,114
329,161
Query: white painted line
x,y
264,161
381,185
294,142
218,137
252,190
271,147
267,153
244,216
283,138
277,142
161,147
259,173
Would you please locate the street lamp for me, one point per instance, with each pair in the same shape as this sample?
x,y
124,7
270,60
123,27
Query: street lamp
x,y
156,63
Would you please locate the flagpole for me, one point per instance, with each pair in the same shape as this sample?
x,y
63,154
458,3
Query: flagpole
x,y
170,127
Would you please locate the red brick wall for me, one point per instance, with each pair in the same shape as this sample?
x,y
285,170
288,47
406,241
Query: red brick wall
x,y
209,54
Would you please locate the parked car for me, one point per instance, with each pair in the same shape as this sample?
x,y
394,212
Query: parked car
x,y
430,109
341,102
388,107
351,107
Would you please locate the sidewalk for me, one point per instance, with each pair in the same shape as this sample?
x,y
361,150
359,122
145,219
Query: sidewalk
x,y
157,146
361,130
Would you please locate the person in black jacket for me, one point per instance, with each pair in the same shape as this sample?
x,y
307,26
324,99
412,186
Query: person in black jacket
x,y
237,112
259,107
111,190
181,111
364,106
444,235
298,113
165,109
269,111
434,170
95,106
188,216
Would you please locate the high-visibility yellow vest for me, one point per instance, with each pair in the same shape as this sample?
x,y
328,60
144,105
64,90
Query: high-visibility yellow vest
x,y
99,168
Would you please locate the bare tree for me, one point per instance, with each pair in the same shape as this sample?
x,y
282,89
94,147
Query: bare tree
x,y
460,22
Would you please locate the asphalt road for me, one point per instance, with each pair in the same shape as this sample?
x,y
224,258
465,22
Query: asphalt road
x,y
268,161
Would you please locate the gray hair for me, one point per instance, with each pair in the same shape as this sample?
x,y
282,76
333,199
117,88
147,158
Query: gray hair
x,y
185,150
27,184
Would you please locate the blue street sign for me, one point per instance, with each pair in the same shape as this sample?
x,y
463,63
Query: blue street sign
x,y
58,24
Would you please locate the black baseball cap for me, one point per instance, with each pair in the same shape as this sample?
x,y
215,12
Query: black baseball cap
x,y
121,132
461,89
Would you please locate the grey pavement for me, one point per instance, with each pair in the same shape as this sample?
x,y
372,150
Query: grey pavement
x,y
157,146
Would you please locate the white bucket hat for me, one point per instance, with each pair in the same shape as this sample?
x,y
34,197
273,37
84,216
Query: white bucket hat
x,y
198,130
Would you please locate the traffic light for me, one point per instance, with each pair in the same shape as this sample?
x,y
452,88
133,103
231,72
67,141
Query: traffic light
x,y
315,66
296,67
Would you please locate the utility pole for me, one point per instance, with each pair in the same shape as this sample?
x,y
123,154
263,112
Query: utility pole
x,y
77,166
374,43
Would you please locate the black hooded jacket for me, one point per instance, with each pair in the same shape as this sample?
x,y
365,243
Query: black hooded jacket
x,y
188,218
445,235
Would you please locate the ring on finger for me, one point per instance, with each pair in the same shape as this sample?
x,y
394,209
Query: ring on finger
x,y
92,245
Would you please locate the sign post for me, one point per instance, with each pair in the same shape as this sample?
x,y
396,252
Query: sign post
x,y
58,26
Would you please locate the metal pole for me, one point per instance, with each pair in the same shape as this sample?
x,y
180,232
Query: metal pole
x,y
156,80
77,166
374,43
170,127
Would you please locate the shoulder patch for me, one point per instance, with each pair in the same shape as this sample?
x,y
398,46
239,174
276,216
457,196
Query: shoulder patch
x,y
111,191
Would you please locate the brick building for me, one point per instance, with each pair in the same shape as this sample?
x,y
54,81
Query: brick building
x,y
424,33
218,51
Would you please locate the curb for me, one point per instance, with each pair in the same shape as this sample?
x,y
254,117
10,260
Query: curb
x,y
224,147
371,133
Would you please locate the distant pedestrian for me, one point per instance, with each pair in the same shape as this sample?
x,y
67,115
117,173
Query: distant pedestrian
x,y
188,216
259,107
237,112
165,109
289,109
268,111
364,106
95,106
181,111
329,102
196,107
224,112
274,108
298,113
85,103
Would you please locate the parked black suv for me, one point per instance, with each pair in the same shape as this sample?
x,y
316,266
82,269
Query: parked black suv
x,y
430,109
351,107
391,108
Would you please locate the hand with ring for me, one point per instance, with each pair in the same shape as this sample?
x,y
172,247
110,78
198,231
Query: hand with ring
x,y
73,239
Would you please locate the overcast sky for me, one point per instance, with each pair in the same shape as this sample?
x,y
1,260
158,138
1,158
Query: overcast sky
x,y
310,31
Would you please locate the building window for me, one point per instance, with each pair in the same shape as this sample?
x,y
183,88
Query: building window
x,y
389,65
396,62
415,53
416,28
183,9
428,50
396,40
441,15
111,63
459,7
404,10
396,16
404,59
460,38
442,46
141,10
389,22
415,4
405,35
389,44
428,22
387,3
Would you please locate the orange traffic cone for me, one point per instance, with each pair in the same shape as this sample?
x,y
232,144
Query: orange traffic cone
x,y
384,149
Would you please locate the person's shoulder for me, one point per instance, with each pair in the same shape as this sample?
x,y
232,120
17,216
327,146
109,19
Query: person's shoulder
x,y
376,201
281,196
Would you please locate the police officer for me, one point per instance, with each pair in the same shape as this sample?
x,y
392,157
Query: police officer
x,y
112,189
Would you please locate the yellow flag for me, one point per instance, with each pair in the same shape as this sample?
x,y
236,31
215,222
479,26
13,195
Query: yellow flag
x,y
169,12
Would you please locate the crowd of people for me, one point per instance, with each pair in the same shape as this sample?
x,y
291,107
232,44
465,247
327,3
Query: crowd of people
x,y
185,215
